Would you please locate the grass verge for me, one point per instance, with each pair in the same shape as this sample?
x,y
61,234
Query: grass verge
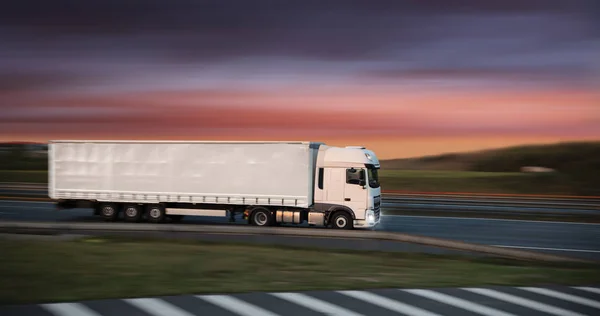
x,y
116,267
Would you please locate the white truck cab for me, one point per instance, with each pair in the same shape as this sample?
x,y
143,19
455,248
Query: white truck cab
x,y
347,178
271,183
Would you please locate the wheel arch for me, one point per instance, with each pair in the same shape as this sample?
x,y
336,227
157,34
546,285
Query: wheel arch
x,y
340,208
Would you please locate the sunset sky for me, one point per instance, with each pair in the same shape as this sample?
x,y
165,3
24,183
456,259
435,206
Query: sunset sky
x,y
404,78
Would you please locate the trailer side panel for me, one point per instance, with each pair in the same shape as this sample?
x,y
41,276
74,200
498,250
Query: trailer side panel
x,y
198,172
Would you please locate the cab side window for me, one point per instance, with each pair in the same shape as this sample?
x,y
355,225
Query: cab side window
x,y
355,176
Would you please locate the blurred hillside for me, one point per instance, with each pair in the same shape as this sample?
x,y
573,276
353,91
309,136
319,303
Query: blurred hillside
x,y
562,157
23,156
575,165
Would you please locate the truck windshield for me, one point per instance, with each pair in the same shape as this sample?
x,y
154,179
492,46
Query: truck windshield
x,y
373,176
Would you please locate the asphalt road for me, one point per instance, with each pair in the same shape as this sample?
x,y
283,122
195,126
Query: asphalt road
x,y
567,239
496,301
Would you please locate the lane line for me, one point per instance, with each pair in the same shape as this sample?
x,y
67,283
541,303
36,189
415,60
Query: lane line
x,y
553,249
490,219
315,304
545,308
589,289
387,303
69,309
460,303
235,305
563,296
157,307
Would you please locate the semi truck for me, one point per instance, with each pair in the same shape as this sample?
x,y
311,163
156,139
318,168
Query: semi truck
x,y
270,183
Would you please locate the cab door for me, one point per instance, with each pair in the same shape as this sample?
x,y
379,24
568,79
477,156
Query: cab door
x,y
355,194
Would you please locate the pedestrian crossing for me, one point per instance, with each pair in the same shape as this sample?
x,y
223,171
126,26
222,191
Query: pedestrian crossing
x,y
489,301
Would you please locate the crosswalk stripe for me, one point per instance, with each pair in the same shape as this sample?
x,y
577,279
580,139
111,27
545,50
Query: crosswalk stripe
x,y
589,289
387,303
524,302
69,309
563,296
315,304
157,307
460,303
235,305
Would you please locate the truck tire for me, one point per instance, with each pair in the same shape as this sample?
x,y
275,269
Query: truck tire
x,y
155,213
109,211
261,217
341,220
132,213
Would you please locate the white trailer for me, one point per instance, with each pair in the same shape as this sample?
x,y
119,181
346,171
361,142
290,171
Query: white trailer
x,y
269,182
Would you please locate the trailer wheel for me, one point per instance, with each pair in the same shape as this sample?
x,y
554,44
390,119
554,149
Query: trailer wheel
x,y
341,220
156,213
132,213
261,217
109,211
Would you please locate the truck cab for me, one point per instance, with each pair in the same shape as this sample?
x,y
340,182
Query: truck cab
x,y
347,180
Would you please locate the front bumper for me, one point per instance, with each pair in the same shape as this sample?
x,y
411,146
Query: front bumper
x,y
372,219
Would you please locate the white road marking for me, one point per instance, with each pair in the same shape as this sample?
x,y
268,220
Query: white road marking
x,y
235,305
315,304
387,303
589,289
157,307
563,296
460,303
524,302
492,219
69,309
552,249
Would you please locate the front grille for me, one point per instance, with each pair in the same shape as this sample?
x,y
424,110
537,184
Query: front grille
x,y
377,206
376,202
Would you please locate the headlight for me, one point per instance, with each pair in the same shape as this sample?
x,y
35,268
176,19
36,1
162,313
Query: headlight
x,y
370,216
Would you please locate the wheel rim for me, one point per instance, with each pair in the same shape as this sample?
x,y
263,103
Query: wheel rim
x,y
131,212
261,218
108,211
155,213
341,221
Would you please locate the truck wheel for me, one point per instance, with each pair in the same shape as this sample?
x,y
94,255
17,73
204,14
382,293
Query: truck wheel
x,y
341,220
261,217
109,211
156,214
132,213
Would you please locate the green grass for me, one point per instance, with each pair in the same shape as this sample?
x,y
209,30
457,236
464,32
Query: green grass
x,y
55,270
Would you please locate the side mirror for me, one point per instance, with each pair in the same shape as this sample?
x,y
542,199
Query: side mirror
x,y
362,182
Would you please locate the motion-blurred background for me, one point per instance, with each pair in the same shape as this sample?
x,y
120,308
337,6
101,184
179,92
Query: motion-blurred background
x,y
407,79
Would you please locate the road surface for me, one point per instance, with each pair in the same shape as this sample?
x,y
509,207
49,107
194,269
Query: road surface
x,y
493,301
568,239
